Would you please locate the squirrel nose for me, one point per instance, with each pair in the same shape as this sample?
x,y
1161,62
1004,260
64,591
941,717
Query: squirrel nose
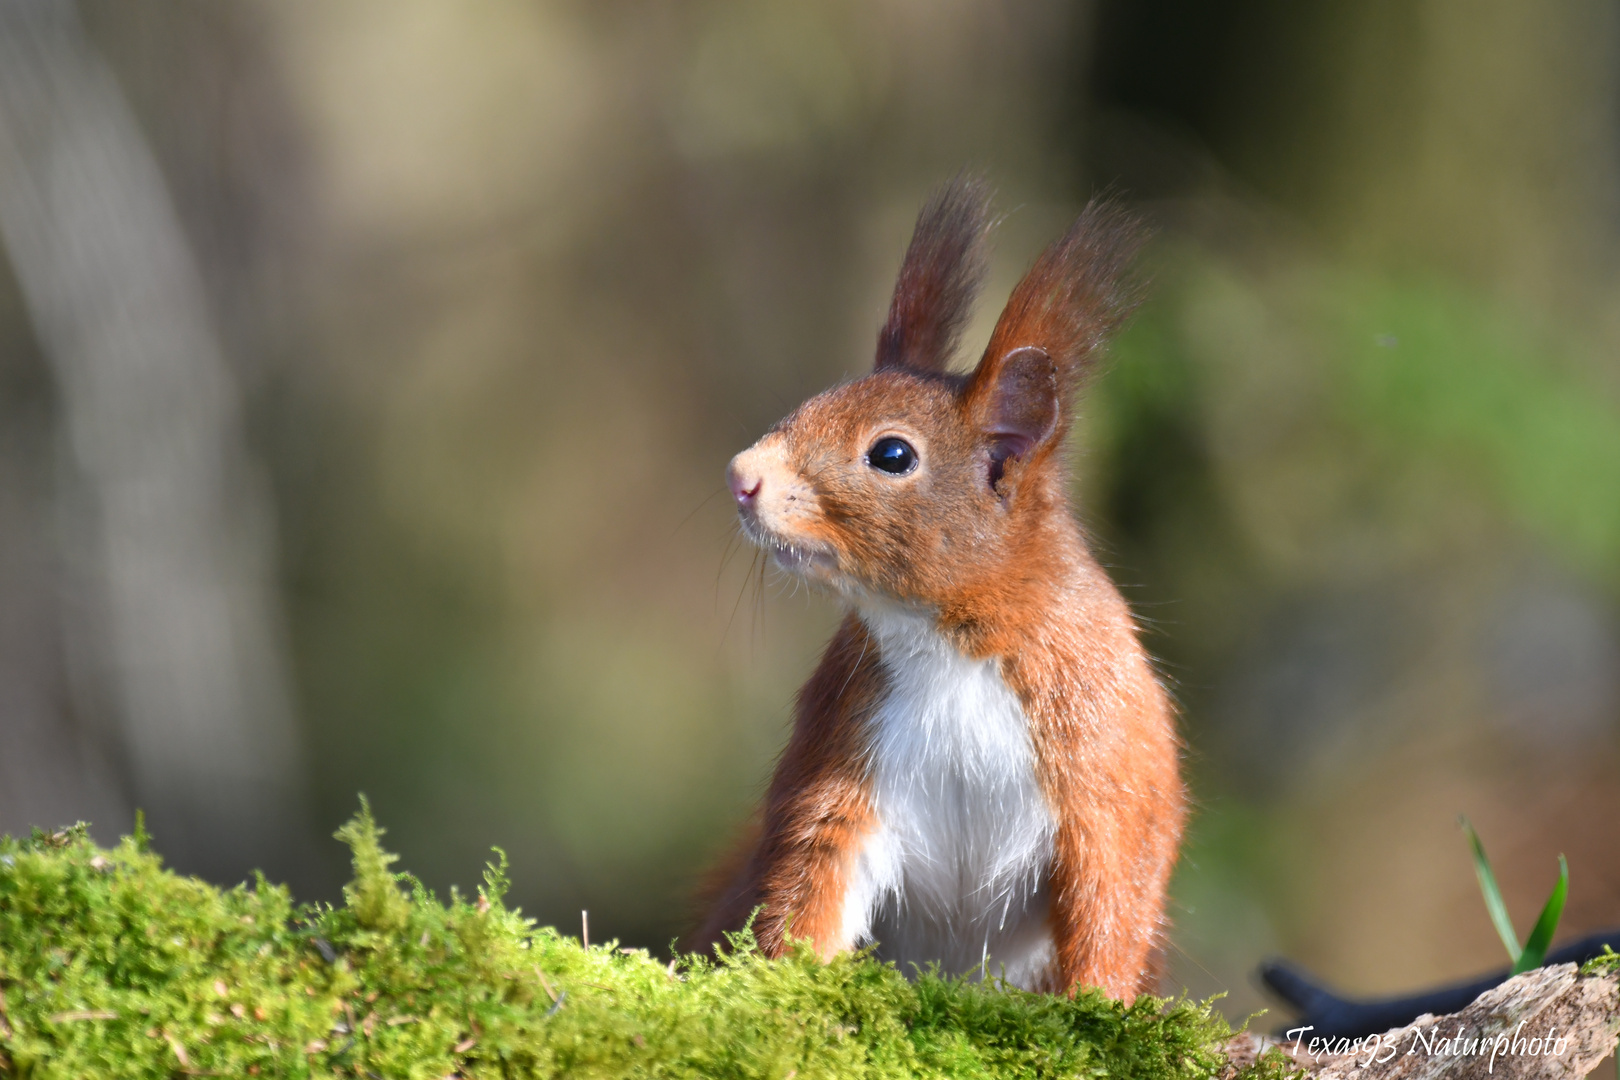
x,y
744,483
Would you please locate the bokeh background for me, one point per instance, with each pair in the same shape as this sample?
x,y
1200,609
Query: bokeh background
x,y
368,370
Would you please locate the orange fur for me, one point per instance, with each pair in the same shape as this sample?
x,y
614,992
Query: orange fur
x,y
815,810
979,539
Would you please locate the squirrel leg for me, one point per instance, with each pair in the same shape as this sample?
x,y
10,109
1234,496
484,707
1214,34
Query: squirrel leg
x,y
810,886
1104,930
796,883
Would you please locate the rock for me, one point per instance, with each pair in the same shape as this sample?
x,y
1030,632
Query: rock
x,y
1548,1023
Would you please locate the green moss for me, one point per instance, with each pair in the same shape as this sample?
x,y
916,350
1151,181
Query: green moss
x,y
1602,964
111,965
372,896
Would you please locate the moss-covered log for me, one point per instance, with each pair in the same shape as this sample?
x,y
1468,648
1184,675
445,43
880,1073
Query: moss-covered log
x,y
111,965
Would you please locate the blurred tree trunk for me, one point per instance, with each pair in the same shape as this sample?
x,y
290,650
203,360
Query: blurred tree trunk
x,y
164,518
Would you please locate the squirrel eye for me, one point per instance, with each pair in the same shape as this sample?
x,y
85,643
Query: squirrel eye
x,y
893,456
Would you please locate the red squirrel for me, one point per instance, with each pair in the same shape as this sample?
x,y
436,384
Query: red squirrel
x,y
984,769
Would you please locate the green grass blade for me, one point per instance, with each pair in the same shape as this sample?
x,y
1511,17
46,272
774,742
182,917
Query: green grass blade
x,y
1493,895
1535,950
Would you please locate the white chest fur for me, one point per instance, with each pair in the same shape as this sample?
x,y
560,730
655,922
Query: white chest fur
x,y
956,870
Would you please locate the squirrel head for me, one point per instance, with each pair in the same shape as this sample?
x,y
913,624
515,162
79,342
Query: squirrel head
x,y
916,484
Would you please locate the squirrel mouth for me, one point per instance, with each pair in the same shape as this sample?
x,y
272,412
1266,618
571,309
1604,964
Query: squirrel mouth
x,y
801,560
796,558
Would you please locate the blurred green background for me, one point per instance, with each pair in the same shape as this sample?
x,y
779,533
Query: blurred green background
x,y
495,289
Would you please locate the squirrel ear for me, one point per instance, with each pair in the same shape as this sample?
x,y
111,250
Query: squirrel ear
x,y
1078,292
943,269
1016,399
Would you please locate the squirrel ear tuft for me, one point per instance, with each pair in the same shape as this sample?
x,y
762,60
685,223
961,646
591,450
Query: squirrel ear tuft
x,y
1078,293
943,269
1016,399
